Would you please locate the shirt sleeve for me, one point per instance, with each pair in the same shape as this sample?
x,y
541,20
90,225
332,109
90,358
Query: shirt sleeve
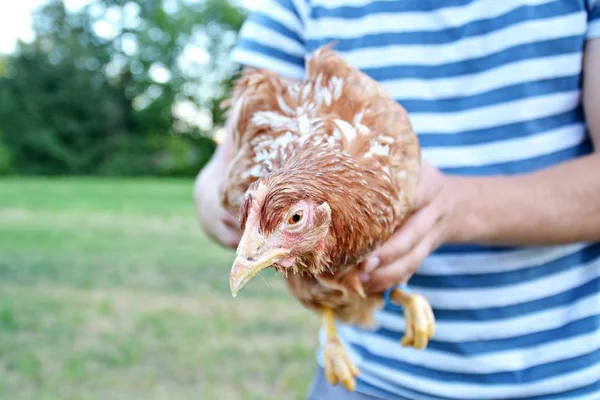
x,y
273,38
593,30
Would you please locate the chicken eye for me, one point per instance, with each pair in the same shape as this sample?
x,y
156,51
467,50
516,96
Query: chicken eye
x,y
295,218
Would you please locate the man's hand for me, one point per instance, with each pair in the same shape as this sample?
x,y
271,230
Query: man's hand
x,y
217,222
422,232
553,206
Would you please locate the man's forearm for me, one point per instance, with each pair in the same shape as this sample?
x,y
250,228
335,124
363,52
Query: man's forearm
x,y
553,206
556,205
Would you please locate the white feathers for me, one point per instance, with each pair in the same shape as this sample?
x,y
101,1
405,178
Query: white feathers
x,y
256,171
306,92
293,91
336,134
299,120
336,86
272,119
322,96
347,130
317,123
322,93
284,105
318,81
327,97
380,149
267,150
331,141
303,125
363,130
358,117
262,156
284,140
300,111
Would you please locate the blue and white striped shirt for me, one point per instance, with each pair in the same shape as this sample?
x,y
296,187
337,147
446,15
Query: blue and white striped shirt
x,y
492,87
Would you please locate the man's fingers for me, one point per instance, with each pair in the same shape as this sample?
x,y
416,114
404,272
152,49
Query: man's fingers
x,y
401,269
428,188
397,272
408,236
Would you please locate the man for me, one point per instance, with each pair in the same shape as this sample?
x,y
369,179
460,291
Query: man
x,y
505,243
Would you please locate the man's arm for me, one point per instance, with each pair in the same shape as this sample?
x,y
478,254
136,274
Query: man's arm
x,y
557,205
217,222
220,225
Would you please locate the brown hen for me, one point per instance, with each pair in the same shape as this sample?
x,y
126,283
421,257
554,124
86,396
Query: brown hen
x,y
325,171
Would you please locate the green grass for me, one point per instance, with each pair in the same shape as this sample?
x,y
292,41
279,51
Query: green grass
x,y
109,290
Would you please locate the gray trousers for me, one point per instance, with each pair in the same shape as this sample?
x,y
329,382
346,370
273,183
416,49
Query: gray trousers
x,y
321,389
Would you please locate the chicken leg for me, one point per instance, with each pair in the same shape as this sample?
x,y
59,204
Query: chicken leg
x,y
338,366
420,322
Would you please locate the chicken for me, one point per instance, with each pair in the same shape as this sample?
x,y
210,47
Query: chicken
x,y
325,170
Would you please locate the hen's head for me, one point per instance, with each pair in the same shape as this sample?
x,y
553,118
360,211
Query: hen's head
x,y
284,225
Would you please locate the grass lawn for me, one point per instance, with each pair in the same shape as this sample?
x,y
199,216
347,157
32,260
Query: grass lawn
x,y
109,290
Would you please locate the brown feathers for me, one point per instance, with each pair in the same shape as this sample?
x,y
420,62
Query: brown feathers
x,y
245,210
336,141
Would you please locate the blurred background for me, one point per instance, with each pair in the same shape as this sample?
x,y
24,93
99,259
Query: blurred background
x,y
108,287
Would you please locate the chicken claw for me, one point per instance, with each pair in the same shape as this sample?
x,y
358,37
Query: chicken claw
x,y
420,322
338,365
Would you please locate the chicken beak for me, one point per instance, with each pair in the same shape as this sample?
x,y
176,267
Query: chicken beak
x,y
253,255
245,268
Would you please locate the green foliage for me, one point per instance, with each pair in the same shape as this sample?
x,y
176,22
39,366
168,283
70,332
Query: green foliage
x,y
5,157
101,90
54,122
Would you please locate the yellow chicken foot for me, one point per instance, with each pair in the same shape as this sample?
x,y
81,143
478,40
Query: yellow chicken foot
x,y
338,366
420,322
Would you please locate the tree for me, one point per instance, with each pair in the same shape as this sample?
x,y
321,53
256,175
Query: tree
x,y
119,87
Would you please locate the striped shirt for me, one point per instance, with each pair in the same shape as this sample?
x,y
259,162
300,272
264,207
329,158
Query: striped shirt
x,y
492,87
